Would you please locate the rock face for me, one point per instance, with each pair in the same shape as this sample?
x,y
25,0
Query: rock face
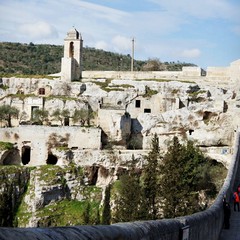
x,y
127,115
64,195
55,195
13,185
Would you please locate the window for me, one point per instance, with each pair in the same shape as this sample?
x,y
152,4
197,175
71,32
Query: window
x,y
41,91
190,131
147,110
138,103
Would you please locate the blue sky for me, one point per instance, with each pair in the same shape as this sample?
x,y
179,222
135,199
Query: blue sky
x,y
204,32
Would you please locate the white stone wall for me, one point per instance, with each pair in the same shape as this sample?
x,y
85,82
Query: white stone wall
x,y
192,71
114,123
131,75
39,139
157,104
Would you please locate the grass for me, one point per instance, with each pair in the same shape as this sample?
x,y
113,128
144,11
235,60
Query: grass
x,y
21,96
4,87
68,213
9,75
149,92
154,79
6,146
64,98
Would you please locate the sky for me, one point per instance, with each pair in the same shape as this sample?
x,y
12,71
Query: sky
x,y
203,32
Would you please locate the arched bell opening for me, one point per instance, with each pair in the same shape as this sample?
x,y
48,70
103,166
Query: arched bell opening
x,y
71,50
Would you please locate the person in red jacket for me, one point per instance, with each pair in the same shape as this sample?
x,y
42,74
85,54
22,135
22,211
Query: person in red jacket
x,y
236,201
238,190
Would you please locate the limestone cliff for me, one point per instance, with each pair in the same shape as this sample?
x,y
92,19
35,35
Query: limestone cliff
x,y
13,184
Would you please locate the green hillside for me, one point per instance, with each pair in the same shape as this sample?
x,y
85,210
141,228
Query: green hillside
x,y
19,58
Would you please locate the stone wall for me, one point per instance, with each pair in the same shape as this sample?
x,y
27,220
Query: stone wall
x,y
223,74
131,75
115,123
201,226
39,141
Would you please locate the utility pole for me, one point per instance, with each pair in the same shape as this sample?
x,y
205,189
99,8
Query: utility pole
x,y
132,60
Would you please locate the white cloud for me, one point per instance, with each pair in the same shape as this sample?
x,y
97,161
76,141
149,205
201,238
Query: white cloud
x,y
167,29
191,53
102,45
98,11
200,8
38,30
121,43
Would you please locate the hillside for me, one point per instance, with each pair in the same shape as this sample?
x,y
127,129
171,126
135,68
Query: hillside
x,y
46,59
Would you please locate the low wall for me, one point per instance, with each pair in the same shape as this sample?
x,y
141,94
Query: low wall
x,y
201,226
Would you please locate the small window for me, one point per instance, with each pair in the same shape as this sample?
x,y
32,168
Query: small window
x,y
138,103
41,91
147,110
190,131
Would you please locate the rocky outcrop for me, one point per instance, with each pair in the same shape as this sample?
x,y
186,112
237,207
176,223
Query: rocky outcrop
x,y
13,184
65,193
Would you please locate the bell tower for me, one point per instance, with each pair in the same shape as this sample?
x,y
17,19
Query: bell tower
x,y
71,67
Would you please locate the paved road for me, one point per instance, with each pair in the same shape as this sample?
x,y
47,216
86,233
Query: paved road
x,y
234,232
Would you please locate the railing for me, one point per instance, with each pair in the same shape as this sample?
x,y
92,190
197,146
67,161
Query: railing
x,y
200,226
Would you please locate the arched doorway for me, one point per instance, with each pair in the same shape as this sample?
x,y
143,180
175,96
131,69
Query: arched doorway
x,y
52,159
26,154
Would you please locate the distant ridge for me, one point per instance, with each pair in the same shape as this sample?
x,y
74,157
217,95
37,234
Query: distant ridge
x,y
20,58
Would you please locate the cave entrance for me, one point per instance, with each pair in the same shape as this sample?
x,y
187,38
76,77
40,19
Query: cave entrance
x,y
26,154
11,157
51,159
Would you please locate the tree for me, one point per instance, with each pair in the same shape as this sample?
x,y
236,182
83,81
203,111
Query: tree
x,y
154,64
106,215
182,179
172,188
8,112
150,179
65,114
40,115
83,116
59,115
128,198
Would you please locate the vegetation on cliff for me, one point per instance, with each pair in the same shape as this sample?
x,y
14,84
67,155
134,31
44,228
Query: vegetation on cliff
x,y
13,185
179,183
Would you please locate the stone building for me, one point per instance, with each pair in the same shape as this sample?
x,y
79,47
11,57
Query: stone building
x,y
71,68
33,145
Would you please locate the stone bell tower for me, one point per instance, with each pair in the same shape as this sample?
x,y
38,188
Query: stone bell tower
x,y
71,67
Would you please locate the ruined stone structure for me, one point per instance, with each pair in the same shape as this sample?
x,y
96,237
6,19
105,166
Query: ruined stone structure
x,y
71,68
35,144
199,226
129,109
